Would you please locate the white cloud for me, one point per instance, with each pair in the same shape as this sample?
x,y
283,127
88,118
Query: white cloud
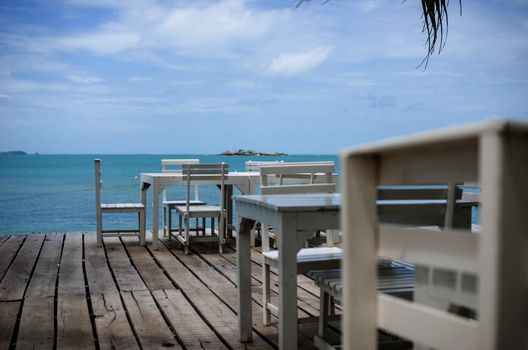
x,y
289,64
102,42
193,27
214,25
80,79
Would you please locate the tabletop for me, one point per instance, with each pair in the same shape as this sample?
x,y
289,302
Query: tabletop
x,y
294,202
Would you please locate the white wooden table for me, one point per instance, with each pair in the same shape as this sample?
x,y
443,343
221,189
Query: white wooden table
x,y
245,181
294,218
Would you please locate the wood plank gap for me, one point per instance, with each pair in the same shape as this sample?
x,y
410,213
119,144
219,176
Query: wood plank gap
x,y
56,299
88,298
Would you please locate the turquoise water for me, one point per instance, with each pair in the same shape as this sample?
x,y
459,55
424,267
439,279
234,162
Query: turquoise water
x,y
55,193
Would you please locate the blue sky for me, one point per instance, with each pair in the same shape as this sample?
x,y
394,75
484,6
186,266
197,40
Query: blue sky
x,y
146,76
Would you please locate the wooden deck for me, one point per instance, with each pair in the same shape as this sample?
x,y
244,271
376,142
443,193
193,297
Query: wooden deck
x,y
61,291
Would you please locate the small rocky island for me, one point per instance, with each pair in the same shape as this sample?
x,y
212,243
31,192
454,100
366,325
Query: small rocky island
x,y
17,153
247,152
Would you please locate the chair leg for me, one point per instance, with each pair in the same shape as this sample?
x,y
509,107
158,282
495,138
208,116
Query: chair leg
x,y
266,313
169,221
324,303
164,221
186,244
142,227
99,229
264,237
221,235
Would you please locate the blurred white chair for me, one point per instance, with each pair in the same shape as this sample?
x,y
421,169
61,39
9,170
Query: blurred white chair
x,y
252,165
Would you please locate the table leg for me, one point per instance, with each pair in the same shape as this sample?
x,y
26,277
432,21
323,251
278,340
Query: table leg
x,y
243,254
229,209
288,248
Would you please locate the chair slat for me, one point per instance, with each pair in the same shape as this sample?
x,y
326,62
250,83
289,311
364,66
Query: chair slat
x,y
448,249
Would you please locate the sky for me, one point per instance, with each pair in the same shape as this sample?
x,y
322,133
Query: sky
x,y
200,77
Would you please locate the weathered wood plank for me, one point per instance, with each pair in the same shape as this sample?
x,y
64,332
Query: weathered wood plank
x,y
16,278
193,332
222,265
71,275
112,326
73,321
74,330
37,329
146,319
219,316
150,327
44,277
149,271
8,250
126,275
202,313
98,272
9,312
37,325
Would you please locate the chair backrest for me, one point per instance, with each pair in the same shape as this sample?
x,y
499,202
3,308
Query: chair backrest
x,y
175,166
212,173
98,184
255,165
301,177
424,206
177,163
415,193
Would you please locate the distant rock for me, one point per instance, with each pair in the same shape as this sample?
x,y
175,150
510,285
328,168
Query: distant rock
x,y
247,152
16,153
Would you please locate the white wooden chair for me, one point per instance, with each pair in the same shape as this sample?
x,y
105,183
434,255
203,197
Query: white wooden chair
x,y
101,208
174,166
492,154
278,180
424,206
213,173
288,179
252,165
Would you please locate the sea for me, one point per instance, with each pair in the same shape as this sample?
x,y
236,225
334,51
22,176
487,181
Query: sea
x,y
56,193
